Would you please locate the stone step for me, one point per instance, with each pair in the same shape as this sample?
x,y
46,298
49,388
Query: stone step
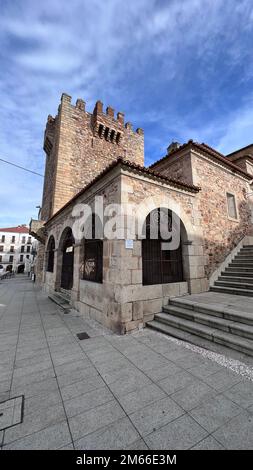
x,y
216,336
230,278
61,301
246,263
219,323
234,284
243,258
235,272
65,293
240,266
232,290
217,310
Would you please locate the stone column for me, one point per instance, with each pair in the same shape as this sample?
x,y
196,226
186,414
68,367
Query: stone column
x,y
78,256
57,268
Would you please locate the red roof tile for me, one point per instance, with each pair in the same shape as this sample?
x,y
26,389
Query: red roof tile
x,y
18,229
210,152
138,168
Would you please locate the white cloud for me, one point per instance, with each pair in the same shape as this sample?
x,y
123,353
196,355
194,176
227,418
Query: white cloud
x,y
140,56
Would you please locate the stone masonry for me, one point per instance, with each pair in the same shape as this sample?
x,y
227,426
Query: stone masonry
x,y
192,181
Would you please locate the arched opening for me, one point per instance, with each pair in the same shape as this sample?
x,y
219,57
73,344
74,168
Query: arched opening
x,y
67,247
9,268
50,254
162,260
21,268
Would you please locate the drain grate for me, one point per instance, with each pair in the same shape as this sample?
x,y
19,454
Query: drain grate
x,y
11,412
83,335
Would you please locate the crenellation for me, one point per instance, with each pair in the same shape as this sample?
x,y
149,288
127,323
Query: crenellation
x,y
98,109
110,111
75,139
120,117
66,98
139,131
80,104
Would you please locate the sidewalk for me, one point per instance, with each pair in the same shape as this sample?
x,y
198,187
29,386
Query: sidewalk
x,y
141,391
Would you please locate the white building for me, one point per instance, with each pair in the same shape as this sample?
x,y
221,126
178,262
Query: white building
x,y
17,249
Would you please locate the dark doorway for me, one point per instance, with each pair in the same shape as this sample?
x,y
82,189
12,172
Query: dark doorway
x,y
67,261
9,268
21,268
159,265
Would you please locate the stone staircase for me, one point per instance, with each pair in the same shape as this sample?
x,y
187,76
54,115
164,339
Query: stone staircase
x,y
191,321
203,323
237,278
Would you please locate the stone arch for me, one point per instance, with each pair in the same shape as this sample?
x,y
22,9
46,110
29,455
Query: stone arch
x,y
188,233
50,251
60,232
21,268
167,202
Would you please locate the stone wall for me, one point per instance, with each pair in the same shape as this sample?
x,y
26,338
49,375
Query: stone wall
x,y
122,303
220,233
178,166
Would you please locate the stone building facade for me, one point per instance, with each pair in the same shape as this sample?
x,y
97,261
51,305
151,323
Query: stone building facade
x,y
123,281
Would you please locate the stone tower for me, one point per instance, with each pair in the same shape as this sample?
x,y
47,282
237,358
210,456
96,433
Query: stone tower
x,y
79,145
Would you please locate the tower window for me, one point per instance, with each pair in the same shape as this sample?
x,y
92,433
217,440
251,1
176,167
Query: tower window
x,y
100,130
112,135
106,133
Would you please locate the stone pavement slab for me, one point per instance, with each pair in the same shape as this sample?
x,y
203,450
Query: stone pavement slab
x,y
215,413
237,433
139,391
118,435
182,433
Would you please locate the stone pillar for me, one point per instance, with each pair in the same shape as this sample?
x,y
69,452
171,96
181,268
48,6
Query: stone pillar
x,y
78,257
194,262
57,267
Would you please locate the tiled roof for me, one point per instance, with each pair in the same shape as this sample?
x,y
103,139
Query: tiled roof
x,y
240,150
208,151
18,229
137,168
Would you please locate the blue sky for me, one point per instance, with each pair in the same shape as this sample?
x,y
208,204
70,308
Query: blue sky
x,y
179,69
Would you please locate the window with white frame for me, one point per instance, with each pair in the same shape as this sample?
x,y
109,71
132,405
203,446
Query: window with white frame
x,y
231,205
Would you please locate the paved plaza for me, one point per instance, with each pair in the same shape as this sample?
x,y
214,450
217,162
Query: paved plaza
x,y
141,391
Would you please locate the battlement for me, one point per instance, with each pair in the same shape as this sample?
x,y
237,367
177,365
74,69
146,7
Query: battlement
x,y
104,123
80,144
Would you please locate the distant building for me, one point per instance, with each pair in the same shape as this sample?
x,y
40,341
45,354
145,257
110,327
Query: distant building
x,y
17,249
